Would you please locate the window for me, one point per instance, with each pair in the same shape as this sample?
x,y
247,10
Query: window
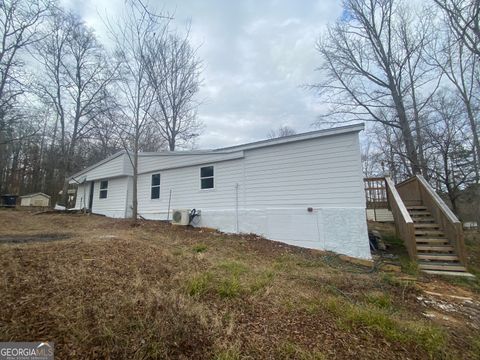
x,y
103,189
155,194
206,177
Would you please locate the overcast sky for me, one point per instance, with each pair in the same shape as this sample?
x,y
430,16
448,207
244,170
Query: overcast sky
x,y
256,57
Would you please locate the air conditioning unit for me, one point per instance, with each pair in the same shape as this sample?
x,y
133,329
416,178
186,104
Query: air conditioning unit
x,y
181,217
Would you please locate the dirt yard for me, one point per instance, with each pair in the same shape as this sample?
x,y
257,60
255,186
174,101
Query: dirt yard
x,y
103,288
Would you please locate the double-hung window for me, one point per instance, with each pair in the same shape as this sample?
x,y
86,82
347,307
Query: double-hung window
x,y
206,177
103,189
155,192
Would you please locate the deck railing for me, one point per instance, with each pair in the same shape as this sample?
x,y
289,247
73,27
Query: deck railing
x,y
403,221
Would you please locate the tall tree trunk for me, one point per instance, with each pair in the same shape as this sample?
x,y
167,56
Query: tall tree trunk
x,y
135,181
476,143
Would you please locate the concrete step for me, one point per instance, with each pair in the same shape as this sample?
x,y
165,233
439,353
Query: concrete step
x,y
437,257
441,266
438,248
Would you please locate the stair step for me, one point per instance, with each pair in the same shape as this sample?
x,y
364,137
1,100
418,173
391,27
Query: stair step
x,y
441,266
436,233
422,219
429,226
449,273
419,213
416,207
437,257
431,240
439,248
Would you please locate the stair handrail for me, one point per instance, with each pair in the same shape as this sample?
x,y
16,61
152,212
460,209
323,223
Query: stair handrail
x,y
403,221
446,219
441,204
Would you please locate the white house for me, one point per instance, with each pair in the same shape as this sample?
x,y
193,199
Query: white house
x,y
304,189
36,199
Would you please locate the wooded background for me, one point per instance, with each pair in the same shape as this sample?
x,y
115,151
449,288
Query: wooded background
x,y
411,71
67,101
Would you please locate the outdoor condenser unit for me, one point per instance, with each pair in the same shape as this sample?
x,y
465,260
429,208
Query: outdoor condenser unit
x,y
181,217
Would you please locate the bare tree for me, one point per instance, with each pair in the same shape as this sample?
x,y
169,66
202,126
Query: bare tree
x,y
174,73
463,17
19,22
52,55
460,66
371,65
134,34
74,82
453,166
282,131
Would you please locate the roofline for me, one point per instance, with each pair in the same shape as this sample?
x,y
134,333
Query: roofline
x,y
37,193
91,167
226,150
183,152
297,137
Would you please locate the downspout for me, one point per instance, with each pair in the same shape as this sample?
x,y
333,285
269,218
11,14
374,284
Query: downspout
x,y
236,208
126,198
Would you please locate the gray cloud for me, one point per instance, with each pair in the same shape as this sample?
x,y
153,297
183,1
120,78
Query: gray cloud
x,y
256,56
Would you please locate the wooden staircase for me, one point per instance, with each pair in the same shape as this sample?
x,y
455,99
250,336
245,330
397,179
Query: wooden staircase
x,y
431,232
435,254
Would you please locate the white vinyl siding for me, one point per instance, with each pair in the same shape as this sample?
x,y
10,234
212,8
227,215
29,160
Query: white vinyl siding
x,y
317,173
83,196
150,164
112,168
301,174
186,192
114,204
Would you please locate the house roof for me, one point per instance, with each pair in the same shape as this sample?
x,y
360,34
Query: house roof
x,y
296,137
91,167
37,193
226,150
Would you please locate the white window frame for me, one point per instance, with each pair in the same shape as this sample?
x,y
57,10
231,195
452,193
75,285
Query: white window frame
x,y
155,186
206,177
103,189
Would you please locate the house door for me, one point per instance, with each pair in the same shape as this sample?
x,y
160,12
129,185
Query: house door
x,y
90,198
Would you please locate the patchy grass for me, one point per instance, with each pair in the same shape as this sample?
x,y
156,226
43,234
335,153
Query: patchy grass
x,y
104,288
289,350
229,288
198,285
199,248
374,317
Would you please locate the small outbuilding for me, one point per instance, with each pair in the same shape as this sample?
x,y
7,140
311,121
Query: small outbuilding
x,y
36,199
8,200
